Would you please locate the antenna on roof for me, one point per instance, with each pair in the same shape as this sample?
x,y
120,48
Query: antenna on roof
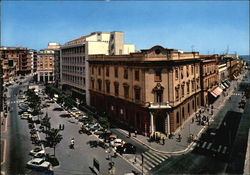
x,y
192,48
227,51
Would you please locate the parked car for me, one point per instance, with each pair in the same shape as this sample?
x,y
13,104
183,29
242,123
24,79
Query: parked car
x,y
127,148
117,142
39,155
26,115
105,135
37,150
21,97
38,163
58,109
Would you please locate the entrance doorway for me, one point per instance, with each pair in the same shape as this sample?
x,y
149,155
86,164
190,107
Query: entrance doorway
x,y
160,123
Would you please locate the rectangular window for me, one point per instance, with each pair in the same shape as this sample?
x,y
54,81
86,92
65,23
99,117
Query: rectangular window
x,y
125,73
116,89
99,71
188,88
187,70
192,70
108,87
182,91
107,71
176,74
99,85
137,75
158,75
138,94
177,117
93,70
126,91
116,71
176,94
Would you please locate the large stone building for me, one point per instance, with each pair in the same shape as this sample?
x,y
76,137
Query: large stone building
x,y
74,55
152,90
16,61
209,79
46,63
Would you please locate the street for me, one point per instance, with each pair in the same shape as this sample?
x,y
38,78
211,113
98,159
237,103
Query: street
x,y
209,156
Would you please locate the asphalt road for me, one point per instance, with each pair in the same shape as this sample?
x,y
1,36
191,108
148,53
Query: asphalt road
x,y
204,162
17,135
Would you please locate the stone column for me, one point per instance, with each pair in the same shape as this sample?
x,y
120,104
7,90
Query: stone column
x,y
168,120
152,123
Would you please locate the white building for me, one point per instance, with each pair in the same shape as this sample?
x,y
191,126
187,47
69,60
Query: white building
x,y
74,60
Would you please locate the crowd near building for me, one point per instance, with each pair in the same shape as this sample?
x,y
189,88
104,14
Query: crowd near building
x,y
155,89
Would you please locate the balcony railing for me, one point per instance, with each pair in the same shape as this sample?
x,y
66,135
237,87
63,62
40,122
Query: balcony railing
x,y
159,105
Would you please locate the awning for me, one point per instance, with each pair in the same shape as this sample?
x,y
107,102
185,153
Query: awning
x,y
222,86
225,84
228,82
216,92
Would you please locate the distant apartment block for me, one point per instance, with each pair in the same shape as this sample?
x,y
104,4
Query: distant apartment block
x,y
16,61
74,66
46,63
33,55
152,90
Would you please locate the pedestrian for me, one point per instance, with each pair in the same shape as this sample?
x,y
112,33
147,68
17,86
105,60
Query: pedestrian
x,y
60,127
179,137
192,119
135,133
129,134
163,141
63,127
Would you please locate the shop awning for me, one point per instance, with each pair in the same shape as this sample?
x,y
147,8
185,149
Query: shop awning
x,y
228,82
216,92
222,86
225,84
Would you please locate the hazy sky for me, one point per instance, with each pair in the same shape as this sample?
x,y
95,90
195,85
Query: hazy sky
x,y
206,26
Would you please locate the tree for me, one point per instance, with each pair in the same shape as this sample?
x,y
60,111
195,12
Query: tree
x,y
46,123
53,138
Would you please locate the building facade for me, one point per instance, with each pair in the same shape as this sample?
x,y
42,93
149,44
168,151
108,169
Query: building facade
x,y
210,89
74,69
46,63
33,55
152,90
16,61
45,66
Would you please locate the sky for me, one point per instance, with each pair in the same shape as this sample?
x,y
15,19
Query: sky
x,y
210,27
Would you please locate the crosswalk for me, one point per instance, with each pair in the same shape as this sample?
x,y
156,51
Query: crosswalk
x,y
211,147
150,160
237,94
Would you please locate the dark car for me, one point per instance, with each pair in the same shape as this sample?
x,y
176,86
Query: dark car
x,y
127,148
105,135
58,109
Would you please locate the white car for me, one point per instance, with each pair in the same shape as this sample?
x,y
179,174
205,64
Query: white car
x,y
26,115
117,142
38,163
37,150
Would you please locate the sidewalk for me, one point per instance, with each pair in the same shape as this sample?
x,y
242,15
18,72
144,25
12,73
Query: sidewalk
x,y
173,146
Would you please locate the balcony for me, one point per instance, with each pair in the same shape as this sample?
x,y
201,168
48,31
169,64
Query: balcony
x,y
159,105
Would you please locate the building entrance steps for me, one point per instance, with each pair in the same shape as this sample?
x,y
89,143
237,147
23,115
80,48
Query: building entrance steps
x,y
177,147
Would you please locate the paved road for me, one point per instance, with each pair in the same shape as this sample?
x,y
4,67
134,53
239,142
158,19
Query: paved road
x,y
79,160
202,160
17,137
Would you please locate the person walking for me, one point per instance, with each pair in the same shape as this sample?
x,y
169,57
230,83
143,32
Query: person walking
x,y
163,141
135,133
192,119
72,143
60,127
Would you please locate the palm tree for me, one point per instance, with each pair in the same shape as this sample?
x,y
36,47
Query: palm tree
x,y
53,138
